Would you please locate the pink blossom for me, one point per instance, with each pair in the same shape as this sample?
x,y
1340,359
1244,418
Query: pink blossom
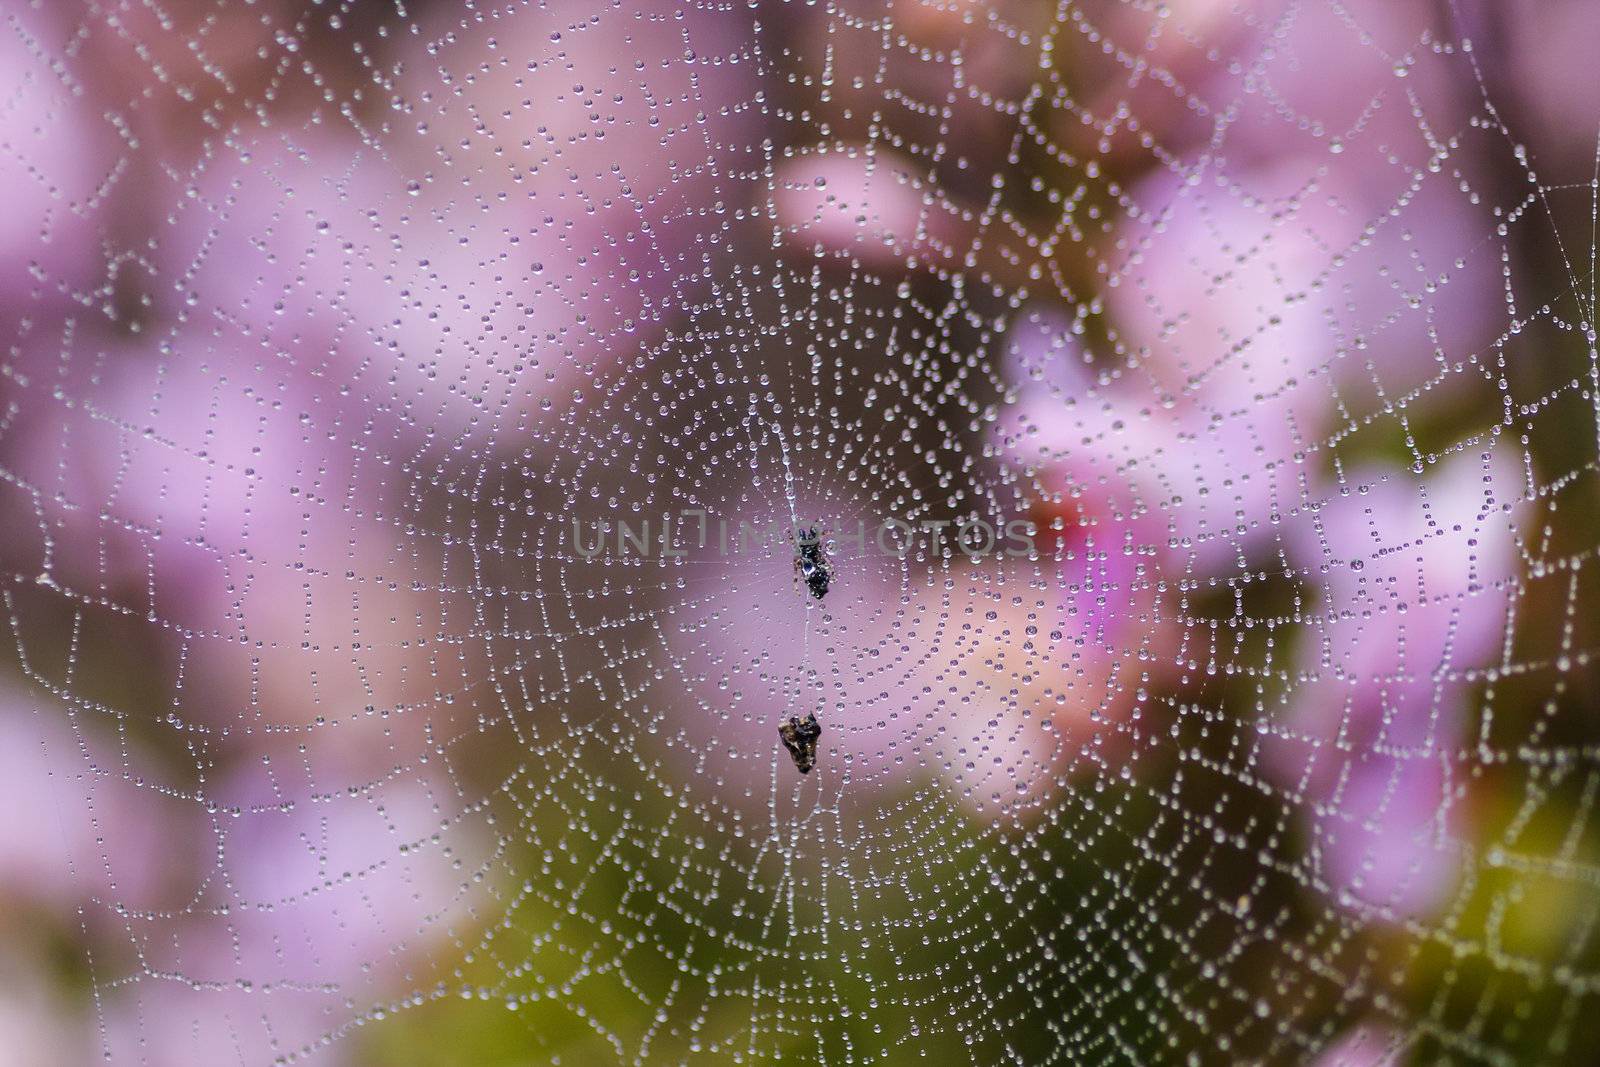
x,y
1233,348
873,206
84,832
322,906
1366,1045
57,165
1416,600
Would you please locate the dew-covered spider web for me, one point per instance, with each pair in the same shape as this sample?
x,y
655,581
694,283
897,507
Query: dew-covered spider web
x,y
442,442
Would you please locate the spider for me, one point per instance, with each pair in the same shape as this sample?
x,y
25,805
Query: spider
x,y
812,563
799,736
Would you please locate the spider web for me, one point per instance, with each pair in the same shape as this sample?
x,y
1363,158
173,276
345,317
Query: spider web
x,y
408,410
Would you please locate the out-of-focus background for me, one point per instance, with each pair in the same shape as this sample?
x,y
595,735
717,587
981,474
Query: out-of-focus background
x,y
345,343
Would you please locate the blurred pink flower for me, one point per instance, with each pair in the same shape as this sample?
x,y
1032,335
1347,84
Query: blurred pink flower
x,y
873,206
1240,85
1214,462
238,505
57,162
1366,1045
1255,304
436,348
466,272
86,831
324,904
1417,581
168,482
297,910
1243,328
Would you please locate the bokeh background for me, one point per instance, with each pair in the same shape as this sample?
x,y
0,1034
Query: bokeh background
x,y
324,324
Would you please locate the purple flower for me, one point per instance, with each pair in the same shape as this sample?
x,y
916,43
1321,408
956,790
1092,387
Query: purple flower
x,y
871,205
319,905
468,275
57,166
1416,586
1370,1044
87,825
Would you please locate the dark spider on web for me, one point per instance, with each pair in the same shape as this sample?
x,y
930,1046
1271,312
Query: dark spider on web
x,y
799,736
812,563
